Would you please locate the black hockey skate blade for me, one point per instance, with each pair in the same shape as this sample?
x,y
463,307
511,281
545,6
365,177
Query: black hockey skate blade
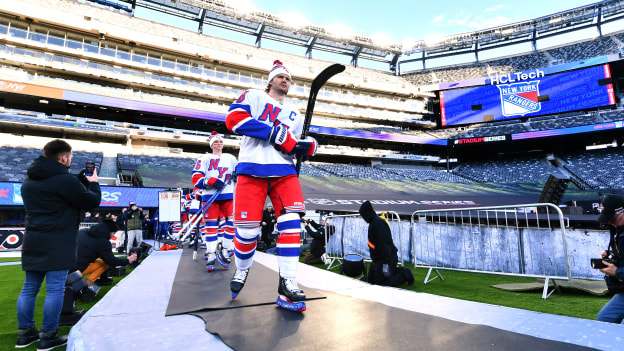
x,y
195,289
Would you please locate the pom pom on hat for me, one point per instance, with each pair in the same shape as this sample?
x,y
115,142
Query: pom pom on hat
x,y
214,136
278,68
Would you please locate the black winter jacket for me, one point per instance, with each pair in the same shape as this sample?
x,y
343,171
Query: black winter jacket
x,y
53,199
380,245
317,232
94,243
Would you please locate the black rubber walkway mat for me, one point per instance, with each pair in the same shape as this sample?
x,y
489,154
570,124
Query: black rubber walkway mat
x,y
337,322
345,323
195,289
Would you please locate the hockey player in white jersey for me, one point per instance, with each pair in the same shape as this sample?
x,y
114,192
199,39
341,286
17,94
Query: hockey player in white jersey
x,y
266,167
212,173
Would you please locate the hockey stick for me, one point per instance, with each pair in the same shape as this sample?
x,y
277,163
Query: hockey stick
x,y
194,220
317,84
197,214
197,217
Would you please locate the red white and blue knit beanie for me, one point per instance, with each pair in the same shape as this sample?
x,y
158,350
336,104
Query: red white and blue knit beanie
x,y
214,136
278,68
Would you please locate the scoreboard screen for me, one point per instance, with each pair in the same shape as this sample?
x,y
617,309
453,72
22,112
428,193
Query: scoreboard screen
x,y
524,95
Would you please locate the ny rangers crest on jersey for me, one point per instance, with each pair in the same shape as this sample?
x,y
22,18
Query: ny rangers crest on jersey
x,y
519,99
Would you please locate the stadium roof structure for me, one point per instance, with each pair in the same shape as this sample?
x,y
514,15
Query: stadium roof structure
x,y
592,15
262,24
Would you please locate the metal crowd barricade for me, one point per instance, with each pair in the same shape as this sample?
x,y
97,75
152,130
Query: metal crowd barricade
x,y
351,236
506,240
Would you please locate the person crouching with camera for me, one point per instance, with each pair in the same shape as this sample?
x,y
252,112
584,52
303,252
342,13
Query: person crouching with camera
x,y
612,207
95,251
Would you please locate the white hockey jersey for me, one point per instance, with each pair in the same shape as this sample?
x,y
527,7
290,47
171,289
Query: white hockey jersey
x,y
217,166
253,115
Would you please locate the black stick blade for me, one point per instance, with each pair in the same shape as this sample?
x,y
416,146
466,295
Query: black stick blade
x,y
317,84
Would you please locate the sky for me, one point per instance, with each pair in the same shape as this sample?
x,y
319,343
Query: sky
x,y
403,22
415,20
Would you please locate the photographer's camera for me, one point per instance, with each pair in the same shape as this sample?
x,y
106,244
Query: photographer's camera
x,y
610,257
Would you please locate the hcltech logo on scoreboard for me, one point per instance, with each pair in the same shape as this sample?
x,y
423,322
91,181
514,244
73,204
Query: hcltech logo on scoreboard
x,y
518,99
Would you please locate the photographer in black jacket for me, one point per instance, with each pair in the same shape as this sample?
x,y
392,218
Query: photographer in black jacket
x,y
612,207
383,270
95,251
318,234
53,200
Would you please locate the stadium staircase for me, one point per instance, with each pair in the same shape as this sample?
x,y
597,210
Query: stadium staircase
x,y
560,164
108,170
574,178
457,172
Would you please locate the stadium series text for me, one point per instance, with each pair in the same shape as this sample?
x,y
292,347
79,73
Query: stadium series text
x,y
513,77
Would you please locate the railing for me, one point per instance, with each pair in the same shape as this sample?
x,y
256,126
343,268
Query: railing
x,y
351,236
83,225
521,240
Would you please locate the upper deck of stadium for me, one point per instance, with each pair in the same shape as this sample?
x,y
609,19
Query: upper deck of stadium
x,y
80,47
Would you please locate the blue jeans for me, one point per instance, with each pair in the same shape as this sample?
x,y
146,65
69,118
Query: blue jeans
x,y
613,311
55,288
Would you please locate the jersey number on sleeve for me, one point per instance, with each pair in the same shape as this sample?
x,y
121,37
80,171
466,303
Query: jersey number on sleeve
x,y
242,97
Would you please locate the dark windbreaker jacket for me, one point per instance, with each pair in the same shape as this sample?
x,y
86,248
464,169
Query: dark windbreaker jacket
x,y
53,199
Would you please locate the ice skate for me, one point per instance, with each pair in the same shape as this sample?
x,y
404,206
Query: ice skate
x,y
238,281
210,261
223,256
290,296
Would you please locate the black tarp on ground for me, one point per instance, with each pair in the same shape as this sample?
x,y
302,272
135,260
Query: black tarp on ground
x,y
196,289
345,323
334,323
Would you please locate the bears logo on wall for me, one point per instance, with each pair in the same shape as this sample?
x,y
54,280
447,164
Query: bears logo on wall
x,y
11,239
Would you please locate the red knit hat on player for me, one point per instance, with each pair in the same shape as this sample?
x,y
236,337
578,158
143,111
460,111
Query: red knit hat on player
x,y
214,136
278,68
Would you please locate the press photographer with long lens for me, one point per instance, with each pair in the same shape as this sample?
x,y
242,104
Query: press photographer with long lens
x,y
612,263
319,234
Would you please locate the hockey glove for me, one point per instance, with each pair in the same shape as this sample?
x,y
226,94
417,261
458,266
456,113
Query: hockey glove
x,y
215,183
234,176
305,148
282,138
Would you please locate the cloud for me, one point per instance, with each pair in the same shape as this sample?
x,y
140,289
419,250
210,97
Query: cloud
x,y
489,22
437,19
492,9
459,21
